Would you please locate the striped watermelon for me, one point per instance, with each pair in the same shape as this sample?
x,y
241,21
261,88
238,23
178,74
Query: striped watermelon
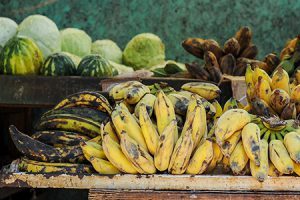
x,y
20,56
58,64
95,65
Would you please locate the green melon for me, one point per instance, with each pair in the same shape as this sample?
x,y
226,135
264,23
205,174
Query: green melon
x,y
58,64
95,65
20,56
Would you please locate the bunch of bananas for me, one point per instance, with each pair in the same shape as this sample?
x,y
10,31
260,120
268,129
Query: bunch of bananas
x,y
272,96
55,145
232,59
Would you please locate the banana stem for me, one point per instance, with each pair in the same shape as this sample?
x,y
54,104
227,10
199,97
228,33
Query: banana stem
x,y
279,136
273,136
267,135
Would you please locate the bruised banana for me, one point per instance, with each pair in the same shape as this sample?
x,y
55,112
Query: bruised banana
x,y
33,166
232,46
118,91
229,144
261,108
165,147
194,46
124,121
261,172
197,100
68,122
238,159
39,151
179,102
281,80
295,96
230,122
201,159
86,99
244,37
226,164
251,142
232,103
279,99
139,157
182,153
134,94
114,154
292,144
289,112
148,100
148,129
263,89
164,112
208,91
280,157
93,149
217,157
273,172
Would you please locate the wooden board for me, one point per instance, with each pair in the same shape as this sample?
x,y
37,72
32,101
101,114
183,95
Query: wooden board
x,y
151,182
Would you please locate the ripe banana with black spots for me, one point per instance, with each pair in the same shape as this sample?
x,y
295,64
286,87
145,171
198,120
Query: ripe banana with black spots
x,y
206,90
165,147
217,158
147,100
232,103
289,111
295,97
263,89
139,157
261,108
201,159
238,159
281,80
229,144
279,99
260,73
273,172
218,108
108,128
118,91
93,149
280,157
261,172
134,94
251,142
292,144
86,99
179,102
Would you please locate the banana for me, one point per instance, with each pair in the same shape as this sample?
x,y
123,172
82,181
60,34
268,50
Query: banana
x,y
250,94
217,157
229,144
281,80
295,96
273,172
114,154
124,121
247,108
218,108
134,94
59,138
201,159
261,108
263,89
249,76
93,149
148,129
69,122
238,159
33,166
39,151
232,46
280,157
230,122
244,37
292,144
180,121
194,46
260,72
226,164
251,142
279,99
86,99
197,100
180,103
297,168
127,106
97,139
208,91
261,172
181,153
118,91
164,112
148,100
249,52
289,111
165,147
232,103
227,64
185,93
139,157
108,128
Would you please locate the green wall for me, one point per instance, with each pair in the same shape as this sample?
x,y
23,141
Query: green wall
x,y
272,21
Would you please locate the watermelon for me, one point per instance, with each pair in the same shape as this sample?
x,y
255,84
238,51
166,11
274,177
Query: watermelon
x,y
95,65
58,64
20,56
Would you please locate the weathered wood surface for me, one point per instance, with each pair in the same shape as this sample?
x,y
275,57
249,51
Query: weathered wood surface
x,y
100,194
151,182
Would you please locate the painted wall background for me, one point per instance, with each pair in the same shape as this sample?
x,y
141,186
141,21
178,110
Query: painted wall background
x,y
272,21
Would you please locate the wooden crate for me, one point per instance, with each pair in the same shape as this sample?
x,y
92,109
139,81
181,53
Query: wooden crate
x,y
238,87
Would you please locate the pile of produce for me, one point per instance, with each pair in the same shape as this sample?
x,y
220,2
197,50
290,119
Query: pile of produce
x,y
155,129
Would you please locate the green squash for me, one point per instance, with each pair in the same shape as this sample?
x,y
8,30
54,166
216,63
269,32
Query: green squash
x,y
58,64
20,56
95,65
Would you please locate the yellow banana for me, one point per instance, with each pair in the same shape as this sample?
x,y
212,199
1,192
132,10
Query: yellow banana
x,y
164,112
293,84
249,76
295,96
206,90
139,157
279,99
148,129
250,93
273,172
229,144
230,122
292,144
297,168
251,142
148,100
201,159
182,153
124,121
93,149
97,139
134,94
238,159
280,157
186,94
226,164
263,89
118,91
232,103
260,72
197,100
247,107
165,147
261,172
218,156
179,102
219,109
281,80
114,154
108,128
127,106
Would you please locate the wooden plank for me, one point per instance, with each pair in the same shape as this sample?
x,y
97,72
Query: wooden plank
x,y
100,194
151,182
